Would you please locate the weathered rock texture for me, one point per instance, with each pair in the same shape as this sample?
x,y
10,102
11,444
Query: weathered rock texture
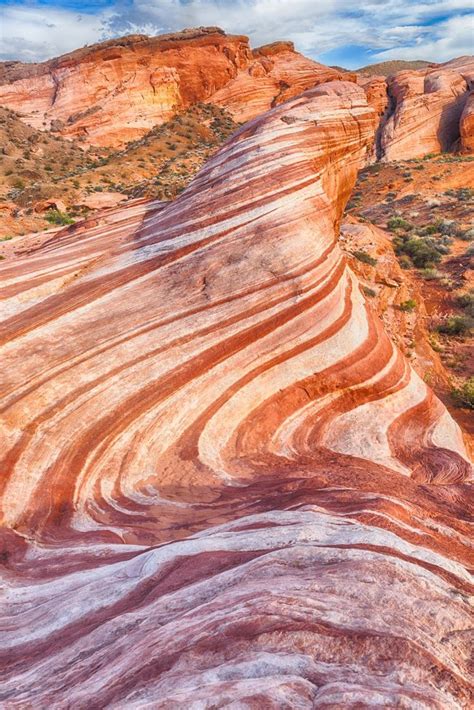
x,y
276,74
113,92
427,106
467,125
223,484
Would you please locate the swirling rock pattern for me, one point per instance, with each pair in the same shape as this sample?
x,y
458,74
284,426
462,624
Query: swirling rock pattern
x,y
223,486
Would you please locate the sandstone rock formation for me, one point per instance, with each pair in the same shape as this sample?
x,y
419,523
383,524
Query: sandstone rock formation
x,y
276,74
375,88
113,92
427,109
224,485
467,125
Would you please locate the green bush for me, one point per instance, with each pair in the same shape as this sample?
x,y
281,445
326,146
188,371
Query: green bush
x,y
466,302
405,261
408,306
422,253
431,274
466,235
430,229
464,395
364,257
455,325
464,194
57,217
395,223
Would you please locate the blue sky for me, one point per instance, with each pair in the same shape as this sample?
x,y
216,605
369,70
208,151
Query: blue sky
x,y
331,31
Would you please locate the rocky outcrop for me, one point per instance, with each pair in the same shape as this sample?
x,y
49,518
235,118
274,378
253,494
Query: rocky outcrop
x,y
114,92
375,88
276,74
467,125
222,479
426,110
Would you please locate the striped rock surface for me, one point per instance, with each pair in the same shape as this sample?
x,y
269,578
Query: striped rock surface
x,y
427,110
222,485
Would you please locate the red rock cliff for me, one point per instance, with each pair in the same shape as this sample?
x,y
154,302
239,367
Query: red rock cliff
x,y
427,109
114,92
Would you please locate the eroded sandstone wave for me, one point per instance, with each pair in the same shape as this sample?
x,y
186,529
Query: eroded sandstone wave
x,y
222,482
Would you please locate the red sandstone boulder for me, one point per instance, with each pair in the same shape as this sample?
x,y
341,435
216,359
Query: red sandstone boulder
x,y
51,204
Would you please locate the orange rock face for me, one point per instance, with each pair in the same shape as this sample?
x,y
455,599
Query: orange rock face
x,y
221,479
375,88
467,125
114,92
276,74
428,105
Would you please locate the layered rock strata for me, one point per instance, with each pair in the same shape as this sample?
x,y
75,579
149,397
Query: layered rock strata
x,y
223,484
114,92
427,107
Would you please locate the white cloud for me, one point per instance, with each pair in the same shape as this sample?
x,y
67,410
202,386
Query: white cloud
x,y
390,28
34,33
452,38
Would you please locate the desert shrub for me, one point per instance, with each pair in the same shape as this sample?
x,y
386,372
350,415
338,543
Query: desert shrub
x,y
435,344
422,253
469,251
405,261
455,325
464,194
395,223
5,239
19,184
464,395
369,291
57,217
431,274
448,227
466,235
466,302
365,258
408,306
